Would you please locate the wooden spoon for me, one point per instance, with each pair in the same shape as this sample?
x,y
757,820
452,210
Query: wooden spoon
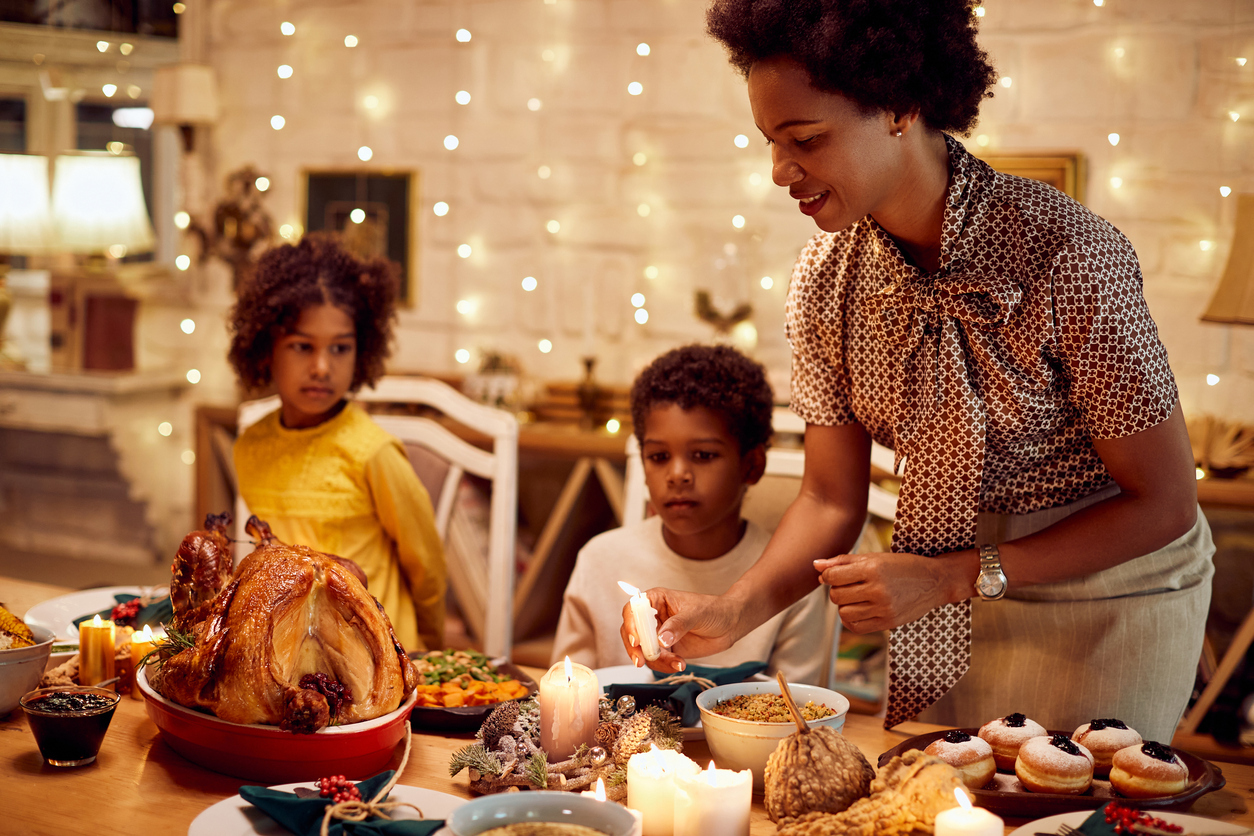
x,y
802,728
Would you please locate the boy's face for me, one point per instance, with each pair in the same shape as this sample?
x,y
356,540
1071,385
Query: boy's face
x,y
312,365
696,477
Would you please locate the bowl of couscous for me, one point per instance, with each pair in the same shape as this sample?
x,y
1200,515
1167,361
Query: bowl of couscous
x,y
745,721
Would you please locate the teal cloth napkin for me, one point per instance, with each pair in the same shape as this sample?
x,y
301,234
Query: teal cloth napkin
x,y
158,612
681,699
303,816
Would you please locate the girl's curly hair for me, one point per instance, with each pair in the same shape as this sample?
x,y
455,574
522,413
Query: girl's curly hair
x,y
896,55
318,270
717,377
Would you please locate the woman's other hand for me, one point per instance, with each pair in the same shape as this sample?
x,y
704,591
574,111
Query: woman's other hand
x,y
689,625
884,590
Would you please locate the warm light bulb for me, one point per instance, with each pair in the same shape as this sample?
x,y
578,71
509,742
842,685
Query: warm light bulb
x,y
738,221
1240,61
103,46
1205,245
287,28
979,11
350,41
440,208
450,142
643,210
465,307
262,184
357,215
1199,474
613,426
534,104
637,300
464,250
285,71
545,346
188,457
462,97
179,8
1224,191
1006,81
741,141
165,428
188,326
1113,139
1116,182
364,153
286,231
1233,115
183,262
182,220
1099,3
529,283
125,49
463,36
1212,379
544,172
642,316
650,272
117,250
193,375
635,88
642,49
371,102
982,140
462,355
548,55
639,158
755,179
277,122
1120,52
109,90
553,227
767,283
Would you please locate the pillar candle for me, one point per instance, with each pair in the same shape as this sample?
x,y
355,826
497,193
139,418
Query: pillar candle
x,y
95,651
570,709
651,787
141,643
645,618
714,801
966,820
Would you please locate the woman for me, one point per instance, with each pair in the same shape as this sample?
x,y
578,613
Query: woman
x,y
993,333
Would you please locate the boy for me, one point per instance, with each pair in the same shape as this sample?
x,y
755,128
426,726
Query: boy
x,y
702,415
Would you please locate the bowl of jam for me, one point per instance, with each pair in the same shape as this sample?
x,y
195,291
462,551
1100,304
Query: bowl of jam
x,y
69,722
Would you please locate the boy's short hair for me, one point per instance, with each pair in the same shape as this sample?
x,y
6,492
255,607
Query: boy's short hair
x,y
317,270
717,377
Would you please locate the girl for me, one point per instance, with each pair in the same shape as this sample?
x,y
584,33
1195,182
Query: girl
x,y
315,321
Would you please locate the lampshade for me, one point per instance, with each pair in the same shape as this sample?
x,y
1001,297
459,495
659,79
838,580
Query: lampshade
x,y
98,201
1233,302
25,222
184,94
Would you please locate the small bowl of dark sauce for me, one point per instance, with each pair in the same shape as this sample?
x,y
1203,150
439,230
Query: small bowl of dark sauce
x,y
69,722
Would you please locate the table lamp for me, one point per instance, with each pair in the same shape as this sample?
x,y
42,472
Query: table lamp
x,y
25,229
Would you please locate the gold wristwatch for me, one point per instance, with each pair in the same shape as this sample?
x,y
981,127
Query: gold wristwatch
x,y
991,582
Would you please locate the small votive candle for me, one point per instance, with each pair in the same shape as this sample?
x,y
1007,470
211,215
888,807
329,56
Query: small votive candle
x,y
651,778
141,644
714,801
645,618
598,793
967,820
95,651
570,708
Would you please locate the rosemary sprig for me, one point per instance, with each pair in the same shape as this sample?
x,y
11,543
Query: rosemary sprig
x,y
175,642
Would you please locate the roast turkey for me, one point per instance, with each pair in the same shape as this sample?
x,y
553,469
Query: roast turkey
x,y
292,638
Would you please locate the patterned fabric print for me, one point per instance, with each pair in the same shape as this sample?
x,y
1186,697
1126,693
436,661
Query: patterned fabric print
x,y
990,376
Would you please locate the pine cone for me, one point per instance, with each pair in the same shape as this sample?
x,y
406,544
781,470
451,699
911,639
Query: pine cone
x,y
500,722
633,734
606,734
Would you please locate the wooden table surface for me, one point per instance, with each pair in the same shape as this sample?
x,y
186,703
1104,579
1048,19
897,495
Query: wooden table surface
x,y
139,785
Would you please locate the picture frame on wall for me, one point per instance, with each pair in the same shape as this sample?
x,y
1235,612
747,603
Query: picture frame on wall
x,y
1064,170
374,211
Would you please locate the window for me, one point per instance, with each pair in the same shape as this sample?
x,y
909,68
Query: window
x,y
12,126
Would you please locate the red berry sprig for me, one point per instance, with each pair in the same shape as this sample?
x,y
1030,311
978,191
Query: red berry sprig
x,y
1128,820
339,789
124,614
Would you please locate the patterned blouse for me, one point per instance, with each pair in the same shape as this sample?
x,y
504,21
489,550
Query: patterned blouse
x,y
992,375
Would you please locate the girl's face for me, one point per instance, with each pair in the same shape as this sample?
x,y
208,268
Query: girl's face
x,y
313,364
837,161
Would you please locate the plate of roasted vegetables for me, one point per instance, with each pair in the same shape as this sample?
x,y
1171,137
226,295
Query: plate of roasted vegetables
x,y
457,689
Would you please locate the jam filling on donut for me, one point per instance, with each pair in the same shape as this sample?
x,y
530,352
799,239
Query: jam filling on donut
x,y
1061,741
1098,725
1016,720
1158,751
956,736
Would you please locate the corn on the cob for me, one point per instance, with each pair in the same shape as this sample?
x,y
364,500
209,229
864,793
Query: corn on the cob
x,y
16,629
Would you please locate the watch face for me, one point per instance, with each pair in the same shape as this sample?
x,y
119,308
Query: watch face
x,y
990,585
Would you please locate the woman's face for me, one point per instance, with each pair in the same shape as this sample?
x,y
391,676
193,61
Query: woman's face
x,y
839,162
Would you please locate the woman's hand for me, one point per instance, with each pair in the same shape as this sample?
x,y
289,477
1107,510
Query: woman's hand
x,y
689,624
884,590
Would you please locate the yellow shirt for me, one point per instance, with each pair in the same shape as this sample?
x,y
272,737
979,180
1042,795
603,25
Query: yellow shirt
x,y
346,487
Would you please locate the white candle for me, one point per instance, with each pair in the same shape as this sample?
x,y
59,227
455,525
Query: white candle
x,y
570,708
651,788
598,793
714,801
645,618
966,820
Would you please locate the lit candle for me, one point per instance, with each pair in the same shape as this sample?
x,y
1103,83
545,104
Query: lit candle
x,y
966,820
645,617
598,793
95,651
714,801
141,644
651,780
570,708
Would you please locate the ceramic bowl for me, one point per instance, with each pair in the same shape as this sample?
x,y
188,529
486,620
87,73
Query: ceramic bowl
x,y
489,811
746,744
22,667
268,753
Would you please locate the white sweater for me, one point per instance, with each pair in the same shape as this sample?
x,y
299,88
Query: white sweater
x,y
592,605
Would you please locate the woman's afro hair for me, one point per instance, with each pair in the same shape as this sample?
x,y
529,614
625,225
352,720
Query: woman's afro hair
x,y
895,55
717,377
318,270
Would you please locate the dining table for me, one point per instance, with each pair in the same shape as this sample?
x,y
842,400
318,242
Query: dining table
x,y
138,784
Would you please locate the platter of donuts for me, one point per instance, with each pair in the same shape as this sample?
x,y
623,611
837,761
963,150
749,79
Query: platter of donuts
x,y
1014,766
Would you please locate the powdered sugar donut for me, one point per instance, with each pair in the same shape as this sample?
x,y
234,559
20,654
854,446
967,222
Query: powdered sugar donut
x,y
1150,770
1007,734
971,756
1054,764
1103,738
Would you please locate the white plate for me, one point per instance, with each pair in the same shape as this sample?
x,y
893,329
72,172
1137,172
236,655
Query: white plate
x,y
1191,824
58,614
236,817
632,675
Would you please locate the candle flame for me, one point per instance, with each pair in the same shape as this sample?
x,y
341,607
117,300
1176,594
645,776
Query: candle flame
x,y
710,771
147,635
628,588
963,801
600,789
570,674
96,622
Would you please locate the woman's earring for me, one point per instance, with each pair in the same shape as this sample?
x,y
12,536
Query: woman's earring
x,y
898,132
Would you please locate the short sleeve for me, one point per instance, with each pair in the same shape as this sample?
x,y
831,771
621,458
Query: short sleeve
x,y
1106,342
813,319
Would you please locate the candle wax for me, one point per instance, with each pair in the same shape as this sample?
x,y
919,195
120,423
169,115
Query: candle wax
x,y
974,821
570,709
713,801
646,626
651,788
95,651
141,644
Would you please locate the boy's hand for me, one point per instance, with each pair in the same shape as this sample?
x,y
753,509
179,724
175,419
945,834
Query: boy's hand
x,y
691,624
885,590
